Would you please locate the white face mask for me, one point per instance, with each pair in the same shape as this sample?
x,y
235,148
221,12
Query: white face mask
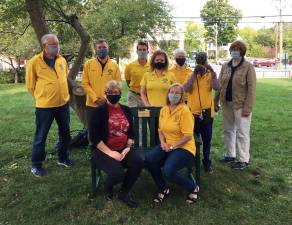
x,y
142,54
174,98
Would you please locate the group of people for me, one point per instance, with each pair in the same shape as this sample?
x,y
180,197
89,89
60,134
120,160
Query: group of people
x,y
187,110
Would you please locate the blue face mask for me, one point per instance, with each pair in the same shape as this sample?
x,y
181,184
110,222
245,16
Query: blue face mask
x,y
174,98
102,53
235,54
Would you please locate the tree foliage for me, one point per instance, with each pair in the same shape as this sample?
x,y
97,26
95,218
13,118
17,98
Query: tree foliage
x,y
226,17
194,37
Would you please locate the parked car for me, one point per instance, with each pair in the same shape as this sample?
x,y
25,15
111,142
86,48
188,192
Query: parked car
x,y
191,63
264,62
221,61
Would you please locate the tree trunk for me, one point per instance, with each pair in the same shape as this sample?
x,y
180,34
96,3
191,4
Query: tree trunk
x,y
78,97
36,14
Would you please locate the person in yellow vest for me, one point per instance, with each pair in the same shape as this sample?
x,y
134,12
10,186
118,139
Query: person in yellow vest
x,y
46,81
134,73
97,72
180,70
200,101
177,147
154,84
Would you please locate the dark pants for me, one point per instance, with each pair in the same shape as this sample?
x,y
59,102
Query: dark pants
x,y
205,130
43,121
115,169
166,165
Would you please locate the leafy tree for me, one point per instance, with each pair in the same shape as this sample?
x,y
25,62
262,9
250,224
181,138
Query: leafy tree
x,y
265,37
75,21
226,17
123,22
287,39
194,37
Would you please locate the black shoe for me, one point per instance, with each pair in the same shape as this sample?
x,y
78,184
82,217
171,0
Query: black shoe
x,y
125,198
108,196
209,169
227,159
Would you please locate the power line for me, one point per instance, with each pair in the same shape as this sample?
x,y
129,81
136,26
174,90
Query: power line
x,y
231,17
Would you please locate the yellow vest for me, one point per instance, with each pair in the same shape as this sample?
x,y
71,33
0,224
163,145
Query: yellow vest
x,y
134,73
206,97
48,86
174,125
94,79
181,75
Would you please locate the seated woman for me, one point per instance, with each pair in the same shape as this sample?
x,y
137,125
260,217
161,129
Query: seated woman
x,y
111,134
177,148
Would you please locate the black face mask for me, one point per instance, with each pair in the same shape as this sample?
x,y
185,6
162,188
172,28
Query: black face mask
x,y
113,99
159,65
180,61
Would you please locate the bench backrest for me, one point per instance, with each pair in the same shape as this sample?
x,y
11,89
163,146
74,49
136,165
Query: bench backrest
x,y
145,119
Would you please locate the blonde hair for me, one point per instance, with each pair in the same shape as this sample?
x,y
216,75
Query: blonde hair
x,y
182,93
111,85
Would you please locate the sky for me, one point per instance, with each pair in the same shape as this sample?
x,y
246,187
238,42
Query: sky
x,y
191,8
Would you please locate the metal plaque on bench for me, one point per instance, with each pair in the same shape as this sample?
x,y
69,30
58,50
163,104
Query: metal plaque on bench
x,y
144,113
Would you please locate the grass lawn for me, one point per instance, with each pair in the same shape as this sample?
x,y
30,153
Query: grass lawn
x,y
261,194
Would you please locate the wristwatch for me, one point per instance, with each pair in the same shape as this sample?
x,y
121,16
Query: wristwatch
x,y
171,148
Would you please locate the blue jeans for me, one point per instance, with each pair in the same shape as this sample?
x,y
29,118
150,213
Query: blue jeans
x,y
205,130
166,165
44,119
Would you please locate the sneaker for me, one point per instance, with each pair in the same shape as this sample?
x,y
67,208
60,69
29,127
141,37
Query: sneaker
x,y
227,159
125,198
240,165
37,171
65,163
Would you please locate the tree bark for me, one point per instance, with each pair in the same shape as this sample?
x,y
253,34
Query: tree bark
x,y
36,14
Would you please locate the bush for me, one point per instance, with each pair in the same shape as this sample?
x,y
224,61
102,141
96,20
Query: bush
x,y
6,77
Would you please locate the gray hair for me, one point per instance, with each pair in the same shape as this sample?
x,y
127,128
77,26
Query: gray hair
x,y
113,84
179,51
46,37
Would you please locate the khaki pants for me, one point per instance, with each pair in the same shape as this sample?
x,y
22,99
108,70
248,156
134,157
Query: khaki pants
x,y
236,133
134,100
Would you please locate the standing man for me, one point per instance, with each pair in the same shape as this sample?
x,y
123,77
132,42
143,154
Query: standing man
x,y
46,80
97,72
201,104
134,73
180,70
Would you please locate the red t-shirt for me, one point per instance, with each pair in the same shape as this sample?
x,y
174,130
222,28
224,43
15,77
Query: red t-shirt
x,y
118,126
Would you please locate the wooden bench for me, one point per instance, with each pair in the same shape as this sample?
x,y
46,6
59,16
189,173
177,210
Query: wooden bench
x,y
146,119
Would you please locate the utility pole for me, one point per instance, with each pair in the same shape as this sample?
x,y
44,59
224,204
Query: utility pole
x,y
216,42
281,36
276,44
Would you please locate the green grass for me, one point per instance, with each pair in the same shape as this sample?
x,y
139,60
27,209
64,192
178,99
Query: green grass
x,y
261,194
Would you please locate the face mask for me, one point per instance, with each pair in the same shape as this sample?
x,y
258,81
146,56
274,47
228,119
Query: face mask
x,y
174,98
102,53
159,65
235,54
113,99
142,54
180,61
53,50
